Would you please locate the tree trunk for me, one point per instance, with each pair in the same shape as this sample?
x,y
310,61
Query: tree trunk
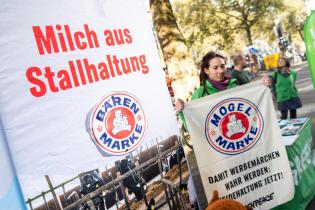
x,y
248,35
179,61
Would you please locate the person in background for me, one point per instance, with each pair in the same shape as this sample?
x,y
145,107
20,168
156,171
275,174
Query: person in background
x,y
285,91
253,66
238,72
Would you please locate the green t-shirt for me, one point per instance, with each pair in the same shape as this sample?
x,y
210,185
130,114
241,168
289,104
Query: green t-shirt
x,y
242,77
201,92
285,86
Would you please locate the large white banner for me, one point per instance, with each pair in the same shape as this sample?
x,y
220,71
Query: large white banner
x,y
237,143
81,85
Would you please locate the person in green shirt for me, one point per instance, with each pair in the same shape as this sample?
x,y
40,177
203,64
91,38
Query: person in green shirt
x,y
285,91
213,79
243,77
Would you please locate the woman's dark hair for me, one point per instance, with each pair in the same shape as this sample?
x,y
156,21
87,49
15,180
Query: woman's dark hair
x,y
205,64
287,62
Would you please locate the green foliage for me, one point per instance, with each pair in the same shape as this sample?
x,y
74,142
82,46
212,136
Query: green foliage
x,y
293,17
230,25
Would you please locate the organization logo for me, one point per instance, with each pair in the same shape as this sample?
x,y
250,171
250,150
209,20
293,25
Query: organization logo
x,y
233,126
118,123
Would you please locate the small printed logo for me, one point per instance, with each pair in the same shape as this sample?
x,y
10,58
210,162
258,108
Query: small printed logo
x,y
118,123
233,126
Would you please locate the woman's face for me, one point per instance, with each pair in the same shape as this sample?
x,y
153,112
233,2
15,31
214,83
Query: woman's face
x,y
217,69
281,65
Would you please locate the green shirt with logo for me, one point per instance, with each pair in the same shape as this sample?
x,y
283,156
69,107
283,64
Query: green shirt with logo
x,y
205,91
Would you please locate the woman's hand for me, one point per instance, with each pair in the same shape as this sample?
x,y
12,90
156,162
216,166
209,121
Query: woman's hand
x,y
179,105
266,81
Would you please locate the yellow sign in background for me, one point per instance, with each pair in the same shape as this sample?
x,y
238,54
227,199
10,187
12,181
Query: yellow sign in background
x,y
271,61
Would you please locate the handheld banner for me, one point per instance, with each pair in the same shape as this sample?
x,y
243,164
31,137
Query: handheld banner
x,y
81,87
309,39
238,147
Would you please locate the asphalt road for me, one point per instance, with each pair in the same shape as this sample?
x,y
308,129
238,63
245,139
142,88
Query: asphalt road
x,y
307,95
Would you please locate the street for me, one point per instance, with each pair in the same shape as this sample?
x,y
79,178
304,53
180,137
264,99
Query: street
x,y
306,93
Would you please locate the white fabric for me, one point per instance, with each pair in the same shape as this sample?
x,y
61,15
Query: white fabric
x,y
247,115
45,128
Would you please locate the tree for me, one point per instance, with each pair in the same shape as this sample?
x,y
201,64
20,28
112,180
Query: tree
x,y
245,14
198,27
178,59
231,24
293,17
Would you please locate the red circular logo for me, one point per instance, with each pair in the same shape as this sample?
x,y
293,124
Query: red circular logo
x,y
233,126
227,127
118,123
119,117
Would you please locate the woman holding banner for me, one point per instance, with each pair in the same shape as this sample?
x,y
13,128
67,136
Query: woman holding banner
x,y
213,79
284,89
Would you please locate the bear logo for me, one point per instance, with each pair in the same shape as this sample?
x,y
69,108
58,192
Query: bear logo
x,y
234,126
120,122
